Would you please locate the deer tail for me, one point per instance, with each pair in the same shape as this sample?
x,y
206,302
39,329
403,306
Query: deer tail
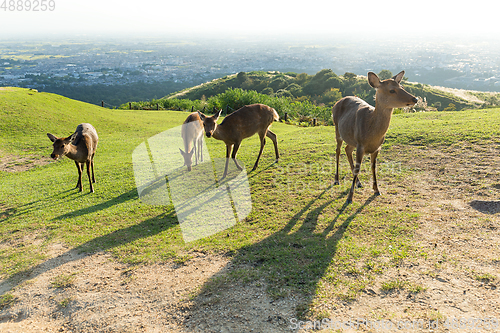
x,y
276,116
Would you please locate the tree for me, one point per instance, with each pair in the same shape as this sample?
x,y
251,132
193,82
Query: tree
x,y
302,78
331,97
334,82
324,80
242,77
284,93
450,107
385,74
350,77
324,72
295,89
267,91
278,83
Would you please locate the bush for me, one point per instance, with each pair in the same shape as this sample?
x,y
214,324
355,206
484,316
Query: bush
x,y
237,98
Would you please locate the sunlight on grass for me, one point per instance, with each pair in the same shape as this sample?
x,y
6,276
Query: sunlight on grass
x,y
299,237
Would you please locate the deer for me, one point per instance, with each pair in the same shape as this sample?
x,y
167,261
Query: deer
x,y
192,135
363,127
242,123
80,147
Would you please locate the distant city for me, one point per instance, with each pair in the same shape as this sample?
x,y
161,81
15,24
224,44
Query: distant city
x,y
465,64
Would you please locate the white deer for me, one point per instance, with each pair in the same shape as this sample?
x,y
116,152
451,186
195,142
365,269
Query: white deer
x,y
192,135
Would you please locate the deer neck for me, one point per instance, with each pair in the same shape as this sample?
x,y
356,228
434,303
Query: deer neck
x,y
382,116
73,152
219,133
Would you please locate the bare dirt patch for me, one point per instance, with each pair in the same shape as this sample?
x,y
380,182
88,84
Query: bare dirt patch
x,y
13,163
454,276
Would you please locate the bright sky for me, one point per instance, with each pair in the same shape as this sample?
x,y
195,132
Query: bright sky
x,y
268,17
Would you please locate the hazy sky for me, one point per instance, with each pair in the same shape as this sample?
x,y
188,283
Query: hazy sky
x,y
388,19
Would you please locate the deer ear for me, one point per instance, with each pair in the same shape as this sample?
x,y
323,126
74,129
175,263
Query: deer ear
x,y
72,138
398,77
51,137
202,116
217,115
373,80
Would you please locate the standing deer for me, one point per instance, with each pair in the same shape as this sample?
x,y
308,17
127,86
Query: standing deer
x,y
192,135
241,124
363,126
80,147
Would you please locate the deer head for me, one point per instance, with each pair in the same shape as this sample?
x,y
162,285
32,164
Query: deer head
x,y
209,123
61,145
390,93
188,158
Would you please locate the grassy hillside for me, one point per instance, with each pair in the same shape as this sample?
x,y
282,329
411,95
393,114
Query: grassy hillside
x,y
300,236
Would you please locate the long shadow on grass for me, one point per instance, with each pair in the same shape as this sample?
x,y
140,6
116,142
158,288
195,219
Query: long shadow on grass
x,y
38,205
295,258
146,228
130,195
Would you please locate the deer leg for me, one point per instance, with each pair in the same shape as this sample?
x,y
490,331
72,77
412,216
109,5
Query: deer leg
x,y
373,159
92,165
200,148
228,152
348,150
88,174
79,184
355,171
337,154
233,156
195,153
274,137
262,144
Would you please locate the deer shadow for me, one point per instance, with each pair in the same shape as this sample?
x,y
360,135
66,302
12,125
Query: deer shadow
x,y
295,248
487,207
130,195
154,225
37,205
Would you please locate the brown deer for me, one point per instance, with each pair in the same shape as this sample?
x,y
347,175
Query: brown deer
x,y
363,126
241,124
192,135
80,147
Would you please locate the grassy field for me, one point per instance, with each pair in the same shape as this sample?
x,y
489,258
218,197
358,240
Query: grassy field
x,y
299,237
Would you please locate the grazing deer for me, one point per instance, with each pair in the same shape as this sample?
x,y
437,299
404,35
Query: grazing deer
x,y
241,124
192,135
363,126
80,147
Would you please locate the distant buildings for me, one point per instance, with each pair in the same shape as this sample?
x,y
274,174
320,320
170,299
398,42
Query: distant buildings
x,y
470,66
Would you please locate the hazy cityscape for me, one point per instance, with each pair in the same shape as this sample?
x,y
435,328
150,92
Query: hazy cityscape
x,y
48,64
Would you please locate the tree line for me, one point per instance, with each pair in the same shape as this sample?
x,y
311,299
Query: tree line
x,y
302,96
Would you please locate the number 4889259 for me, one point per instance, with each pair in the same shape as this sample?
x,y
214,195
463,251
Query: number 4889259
x,y
28,5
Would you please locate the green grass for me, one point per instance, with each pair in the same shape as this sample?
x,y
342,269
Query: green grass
x,y
300,235
485,277
64,280
6,300
398,284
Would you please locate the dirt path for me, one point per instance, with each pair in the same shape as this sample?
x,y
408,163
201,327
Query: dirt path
x,y
457,196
